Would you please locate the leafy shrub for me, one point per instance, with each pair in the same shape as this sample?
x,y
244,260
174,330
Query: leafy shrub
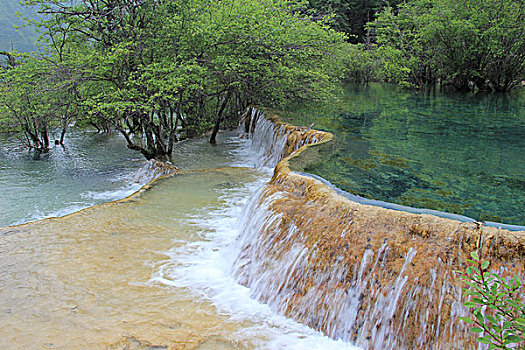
x,y
497,304
361,65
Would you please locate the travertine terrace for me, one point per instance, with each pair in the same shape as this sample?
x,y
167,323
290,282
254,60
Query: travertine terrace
x,y
377,277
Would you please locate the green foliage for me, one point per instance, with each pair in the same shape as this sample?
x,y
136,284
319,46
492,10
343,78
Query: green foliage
x,y
464,44
34,97
361,65
351,16
160,71
498,309
406,54
479,42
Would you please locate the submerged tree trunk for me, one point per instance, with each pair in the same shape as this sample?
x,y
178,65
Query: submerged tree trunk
x,y
247,120
173,132
36,154
45,138
154,148
219,118
99,130
481,84
37,137
62,136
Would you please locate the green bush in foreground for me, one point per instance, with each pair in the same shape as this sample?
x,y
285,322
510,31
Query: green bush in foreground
x,y
498,309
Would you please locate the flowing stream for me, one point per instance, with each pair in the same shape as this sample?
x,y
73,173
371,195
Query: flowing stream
x,y
223,255
149,272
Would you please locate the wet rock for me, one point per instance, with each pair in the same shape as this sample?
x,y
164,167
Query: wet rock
x,y
369,275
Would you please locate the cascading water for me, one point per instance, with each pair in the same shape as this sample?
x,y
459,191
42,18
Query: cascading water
x,y
379,278
359,274
204,266
271,140
101,278
266,142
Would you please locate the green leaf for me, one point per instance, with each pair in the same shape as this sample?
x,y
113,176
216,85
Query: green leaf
x,y
474,256
484,265
513,303
520,321
484,340
479,317
466,320
476,330
470,304
512,339
492,319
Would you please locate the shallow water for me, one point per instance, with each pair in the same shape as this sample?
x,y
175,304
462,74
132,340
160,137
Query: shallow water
x,y
91,169
458,153
149,272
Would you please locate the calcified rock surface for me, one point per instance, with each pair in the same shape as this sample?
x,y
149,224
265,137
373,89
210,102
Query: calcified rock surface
x,y
376,277
83,281
274,140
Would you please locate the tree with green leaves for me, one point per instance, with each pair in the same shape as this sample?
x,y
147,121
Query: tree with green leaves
x,y
35,97
159,71
465,44
405,53
351,16
497,304
479,42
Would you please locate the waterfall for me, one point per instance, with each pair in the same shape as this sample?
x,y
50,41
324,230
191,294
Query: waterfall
x,y
379,278
152,170
271,140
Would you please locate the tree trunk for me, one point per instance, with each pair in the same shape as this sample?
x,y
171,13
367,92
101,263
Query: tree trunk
x,y
219,118
248,120
45,138
173,132
62,136
99,130
481,84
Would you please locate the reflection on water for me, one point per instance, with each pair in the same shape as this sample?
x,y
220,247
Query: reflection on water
x,y
457,153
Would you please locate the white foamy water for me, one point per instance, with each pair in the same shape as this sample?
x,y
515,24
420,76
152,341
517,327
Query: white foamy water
x,y
123,192
131,183
263,148
203,264
37,214
204,267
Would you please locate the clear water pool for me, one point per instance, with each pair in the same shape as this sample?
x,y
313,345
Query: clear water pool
x,y
457,153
